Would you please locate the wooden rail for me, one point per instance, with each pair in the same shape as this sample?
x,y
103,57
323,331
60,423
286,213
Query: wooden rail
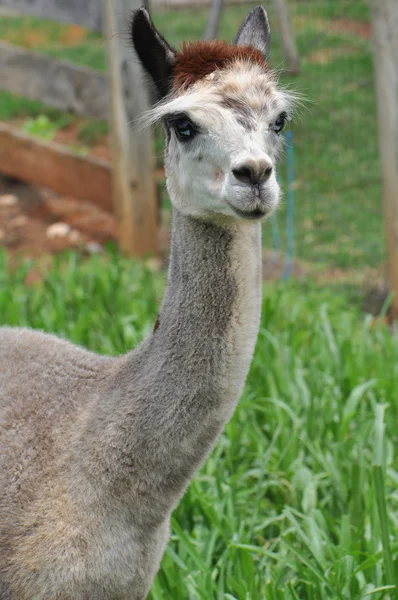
x,y
61,84
51,165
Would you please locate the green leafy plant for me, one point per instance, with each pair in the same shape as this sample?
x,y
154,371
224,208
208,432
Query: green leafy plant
x,y
40,127
43,127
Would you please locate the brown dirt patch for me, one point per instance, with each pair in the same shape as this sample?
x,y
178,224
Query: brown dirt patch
x,y
361,29
33,38
324,56
274,266
69,136
25,222
37,223
75,34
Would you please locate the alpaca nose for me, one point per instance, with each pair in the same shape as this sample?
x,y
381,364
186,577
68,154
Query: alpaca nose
x,y
253,172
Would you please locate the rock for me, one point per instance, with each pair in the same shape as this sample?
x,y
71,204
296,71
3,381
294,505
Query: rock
x,y
57,230
154,264
74,236
8,200
19,221
94,248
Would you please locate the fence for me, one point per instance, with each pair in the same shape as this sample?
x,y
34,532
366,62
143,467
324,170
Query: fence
x,y
131,190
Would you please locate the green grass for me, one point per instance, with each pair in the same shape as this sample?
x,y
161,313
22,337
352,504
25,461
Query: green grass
x,y
12,107
92,130
298,500
52,38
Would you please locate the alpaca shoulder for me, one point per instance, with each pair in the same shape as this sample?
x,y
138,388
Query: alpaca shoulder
x,y
46,380
46,386
29,353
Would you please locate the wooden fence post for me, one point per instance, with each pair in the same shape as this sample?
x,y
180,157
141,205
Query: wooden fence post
x,y
385,50
288,43
213,23
134,186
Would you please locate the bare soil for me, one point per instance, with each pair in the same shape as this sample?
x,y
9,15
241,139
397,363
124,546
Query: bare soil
x,y
27,213
68,136
362,29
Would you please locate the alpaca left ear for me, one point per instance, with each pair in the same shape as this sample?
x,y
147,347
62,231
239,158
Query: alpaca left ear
x,y
255,31
156,55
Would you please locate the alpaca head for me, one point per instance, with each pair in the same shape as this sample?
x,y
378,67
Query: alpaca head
x,y
222,114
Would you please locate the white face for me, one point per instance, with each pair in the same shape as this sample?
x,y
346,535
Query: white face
x,y
223,140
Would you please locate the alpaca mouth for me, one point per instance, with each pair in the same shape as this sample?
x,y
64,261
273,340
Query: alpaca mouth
x,y
255,203
255,214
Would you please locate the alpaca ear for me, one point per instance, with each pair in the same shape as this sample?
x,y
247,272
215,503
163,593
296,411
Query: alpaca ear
x,y
155,54
255,31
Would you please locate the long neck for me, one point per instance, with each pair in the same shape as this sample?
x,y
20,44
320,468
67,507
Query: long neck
x,y
209,320
175,392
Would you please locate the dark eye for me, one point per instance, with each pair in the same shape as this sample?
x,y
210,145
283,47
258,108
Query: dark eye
x,y
185,130
280,123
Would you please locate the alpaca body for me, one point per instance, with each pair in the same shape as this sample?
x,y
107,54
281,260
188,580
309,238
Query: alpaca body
x,y
106,446
96,451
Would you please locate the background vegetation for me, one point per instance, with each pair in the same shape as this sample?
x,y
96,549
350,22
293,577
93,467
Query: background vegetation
x,y
337,183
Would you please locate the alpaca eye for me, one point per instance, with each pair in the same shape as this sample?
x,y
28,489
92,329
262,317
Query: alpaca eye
x,y
280,123
185,130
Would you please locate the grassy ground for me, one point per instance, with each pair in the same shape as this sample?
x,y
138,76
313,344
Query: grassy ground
x,y
337,185
299,498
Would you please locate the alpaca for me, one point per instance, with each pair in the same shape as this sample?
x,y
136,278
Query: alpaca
x,y
96,451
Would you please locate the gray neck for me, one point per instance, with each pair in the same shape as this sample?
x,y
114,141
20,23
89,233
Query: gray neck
x,y
200,292
175,392
209,317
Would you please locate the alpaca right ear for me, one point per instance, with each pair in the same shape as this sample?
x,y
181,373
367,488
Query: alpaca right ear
x,y
255,31
155,54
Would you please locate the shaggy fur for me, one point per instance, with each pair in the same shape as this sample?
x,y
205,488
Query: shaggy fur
x,y
95,451
197,59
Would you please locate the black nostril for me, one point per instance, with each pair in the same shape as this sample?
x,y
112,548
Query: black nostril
x,y
244,174
266,174
254,175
